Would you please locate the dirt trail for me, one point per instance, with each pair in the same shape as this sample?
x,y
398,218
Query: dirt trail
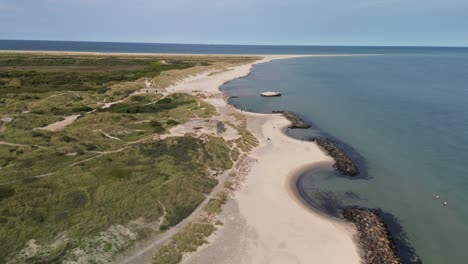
x,y
60,125
11,144
144,253
107,135
19,145
31,177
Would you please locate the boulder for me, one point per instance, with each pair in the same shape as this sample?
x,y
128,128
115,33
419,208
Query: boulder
x,y
342,162
374,239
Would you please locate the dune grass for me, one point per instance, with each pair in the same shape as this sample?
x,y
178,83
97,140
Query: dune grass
x,y
110,190
102,182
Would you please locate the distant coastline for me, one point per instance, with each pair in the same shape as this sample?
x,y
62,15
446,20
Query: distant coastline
x,y
206,49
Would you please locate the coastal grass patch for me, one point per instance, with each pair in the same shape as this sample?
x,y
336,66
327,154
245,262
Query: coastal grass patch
x,y
187,240
235,154
219,154
104,188
29,121
40,73
66,103
140,106
109,190
214,205
41,152
40,81
65,84
177,107
194,234
68,84
247,141
196,109
6,192
82,188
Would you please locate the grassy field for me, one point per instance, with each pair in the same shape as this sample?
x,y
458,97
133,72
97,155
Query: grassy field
x,y
87,192
193,235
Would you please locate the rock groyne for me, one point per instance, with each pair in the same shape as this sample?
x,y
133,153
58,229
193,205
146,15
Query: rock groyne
x,y
296,121
374,237
342,162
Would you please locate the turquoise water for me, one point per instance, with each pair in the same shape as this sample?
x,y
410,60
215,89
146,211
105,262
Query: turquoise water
x,y
403,117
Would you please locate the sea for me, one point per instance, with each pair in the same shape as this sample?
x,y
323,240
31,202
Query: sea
x,y
401,113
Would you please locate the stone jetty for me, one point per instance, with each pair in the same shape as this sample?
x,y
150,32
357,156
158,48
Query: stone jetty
x,y
342,162
374,238
296,121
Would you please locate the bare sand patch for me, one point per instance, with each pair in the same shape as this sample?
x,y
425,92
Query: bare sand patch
x,y
60,125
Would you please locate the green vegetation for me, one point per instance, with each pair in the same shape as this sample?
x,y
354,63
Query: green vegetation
x,y
172,122
109,190
214,205
17,81
194,234
139,106
188,240
103,181
247,141
6,192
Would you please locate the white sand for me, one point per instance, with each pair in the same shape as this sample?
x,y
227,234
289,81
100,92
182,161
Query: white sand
x,y
266,222
280,228
60,125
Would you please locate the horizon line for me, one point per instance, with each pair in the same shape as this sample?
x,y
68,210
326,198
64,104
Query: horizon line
x,y
216,44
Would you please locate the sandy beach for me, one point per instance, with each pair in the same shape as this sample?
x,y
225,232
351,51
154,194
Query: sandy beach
x,y
266,221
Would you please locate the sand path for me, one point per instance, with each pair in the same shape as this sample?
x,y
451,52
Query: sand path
x,y
60,125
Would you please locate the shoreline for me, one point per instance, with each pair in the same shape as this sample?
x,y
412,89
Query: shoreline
x,y
100,53
379,236
306,224
274,222
287,229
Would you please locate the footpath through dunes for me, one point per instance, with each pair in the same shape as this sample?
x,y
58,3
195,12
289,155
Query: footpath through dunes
x,y
86,191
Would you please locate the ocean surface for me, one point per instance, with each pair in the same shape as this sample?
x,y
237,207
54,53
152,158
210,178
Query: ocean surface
x,y
402,117
44,45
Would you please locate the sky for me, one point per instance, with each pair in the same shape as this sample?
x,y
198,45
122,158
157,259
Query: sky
x,y
269,22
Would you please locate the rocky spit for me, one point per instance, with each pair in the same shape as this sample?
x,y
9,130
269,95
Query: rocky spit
x,y
342,162
296,121
374,238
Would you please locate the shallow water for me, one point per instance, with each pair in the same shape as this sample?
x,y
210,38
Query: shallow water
x,y
403,117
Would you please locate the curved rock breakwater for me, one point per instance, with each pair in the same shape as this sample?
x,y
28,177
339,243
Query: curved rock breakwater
x,y
342,162
296,121
375,239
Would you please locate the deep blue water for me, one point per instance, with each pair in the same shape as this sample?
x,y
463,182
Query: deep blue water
x,y
209,49
405,117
